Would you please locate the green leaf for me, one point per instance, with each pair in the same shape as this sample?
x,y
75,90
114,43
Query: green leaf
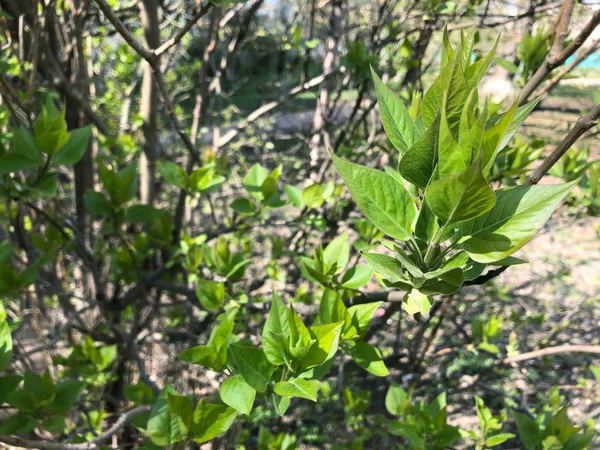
x,y
528,430
300,338
70,153
202,355
416,302
140,213
518,215
67,393
243,206
298,387
253,365
418,163
357,276
294,195
579,441
25,145
498,439
6,344
327,339
276,332
182,407
17,423
386,265
238,394
397,122
312,196
452,158
281,404
211,420
173,173
8,384
460,197
97,204
210,294
369,358
451,80
164,428
396,400
337,254
382,199
254,180
13,162
494,136
357,319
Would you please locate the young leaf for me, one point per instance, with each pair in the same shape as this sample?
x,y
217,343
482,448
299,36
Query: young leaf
x,y
211,420
498,439
238,394
254,180
337,254
460,197
70,153
386,265
164,428
382,199
518,215
327,339
312,196
6,344
298,387
294,195
357,276
276,332
253,365
416,302
418,163
369,358
358,318
396,400
243,206
528,430
397,122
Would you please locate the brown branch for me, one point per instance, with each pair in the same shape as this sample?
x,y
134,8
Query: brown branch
x,y
187,27
553,82
93,444
566,348
553,61
582,125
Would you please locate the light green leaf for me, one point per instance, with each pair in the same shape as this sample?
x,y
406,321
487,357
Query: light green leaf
x,y
337,254
386,265
382,199
238,394
327,338
358,318
254,180
210,294
6,344
211,420
357,276
183,408
276,332
494,136
518,215
498,439
163,427
294,195
416,302
312,196
70,153
298,387
253,365
460,197
173,173
396,400
369,358
397,122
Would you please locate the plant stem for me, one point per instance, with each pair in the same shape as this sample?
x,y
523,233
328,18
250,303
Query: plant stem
x,y
434,245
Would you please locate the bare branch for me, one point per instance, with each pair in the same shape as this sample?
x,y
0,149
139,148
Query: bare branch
x,y
188,26
566,348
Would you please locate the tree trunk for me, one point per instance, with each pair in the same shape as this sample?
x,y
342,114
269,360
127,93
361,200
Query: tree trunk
x,y
148,104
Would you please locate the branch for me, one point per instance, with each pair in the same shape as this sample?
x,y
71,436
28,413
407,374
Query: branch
x,y
567,348
582,125
553,61
154,62
566,69
257,113
93,444
188,26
